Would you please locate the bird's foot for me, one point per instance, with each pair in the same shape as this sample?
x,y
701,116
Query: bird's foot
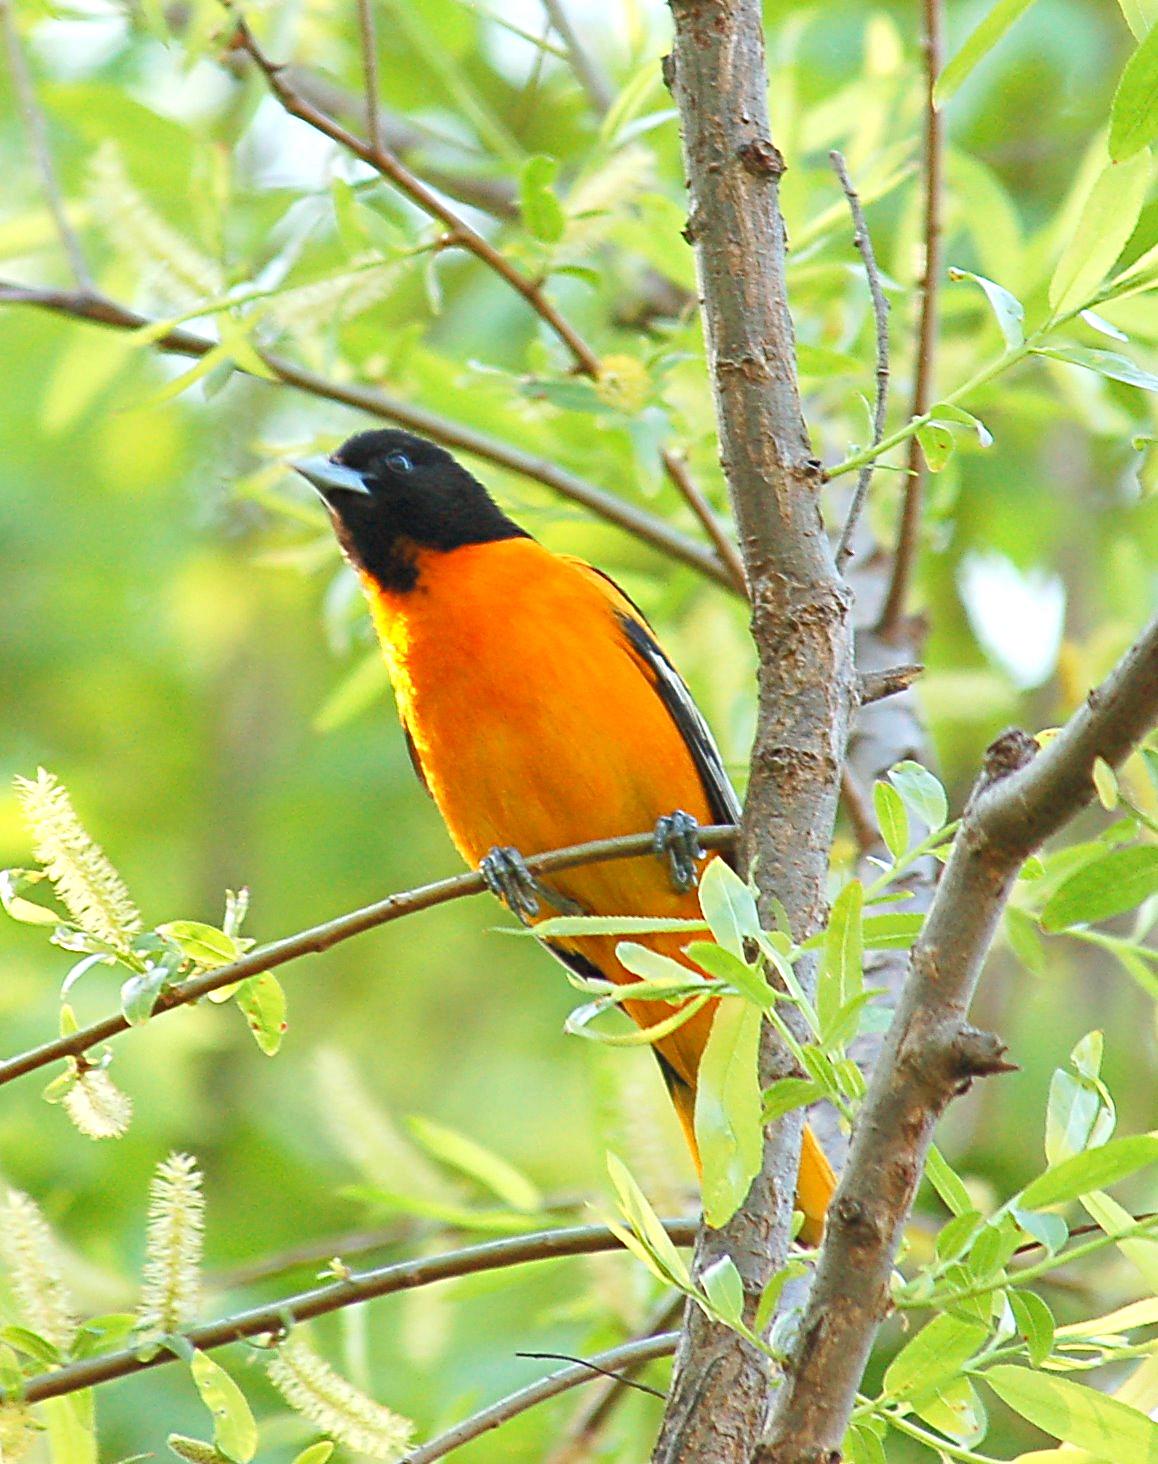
x,y
506,875
677,840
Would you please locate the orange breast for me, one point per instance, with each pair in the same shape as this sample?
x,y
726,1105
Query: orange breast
x,y
537,726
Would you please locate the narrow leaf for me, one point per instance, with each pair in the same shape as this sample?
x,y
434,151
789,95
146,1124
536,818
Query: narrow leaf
x,y
977,47
729,907
1109,886
1106,222
1134,112
1077,1415
728,1110
1092,1170
1006,307
893,820
234,1431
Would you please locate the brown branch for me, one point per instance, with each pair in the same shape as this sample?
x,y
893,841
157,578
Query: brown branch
x,y
931,1053
391,167
628,1355
875,686
321,937
863,241
592,80
351,1290
652,530
800,623
369,44
677,471
34,125
913,501
582,1435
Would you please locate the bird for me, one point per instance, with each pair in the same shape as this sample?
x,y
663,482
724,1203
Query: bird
x,y
539,711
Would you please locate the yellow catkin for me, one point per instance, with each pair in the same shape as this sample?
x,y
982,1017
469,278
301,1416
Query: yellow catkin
x,y
312,1388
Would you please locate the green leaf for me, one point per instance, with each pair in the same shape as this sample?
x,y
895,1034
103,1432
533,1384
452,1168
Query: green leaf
x,y
1006,307
729,1105
1050,1231
954,1409
937,444
477,1162
541,210
316,1453
1106,222
1134,111
1106,887
1074,1118
725,966
922,792
944,1179
724,1289
1034,1322
139,994
645,1223
1092,1170
977,47
1140,1251
234,1431
13,883
893,820
842,968
262,1000
785,1094
205,945
71,1428
891,932
729,907
1105,363
950,412
938,1350
1077,1415
559,926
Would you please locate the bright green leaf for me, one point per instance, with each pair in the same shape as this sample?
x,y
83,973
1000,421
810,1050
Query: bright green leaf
x,y
977,47
932,1356
234,1431
1035,1323
1092,1170
1105,363
729,1105
1076,1414
477,1162
729,907
1006,307
262,1000
541,210
1106,887
1107,220
724,1289
922,792
893,820
1134,111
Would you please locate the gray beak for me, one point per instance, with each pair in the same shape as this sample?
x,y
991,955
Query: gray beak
x,y
329,477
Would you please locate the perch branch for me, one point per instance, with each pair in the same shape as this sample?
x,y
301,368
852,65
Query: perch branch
x,y
322,937
931,1053
591,79
359,1286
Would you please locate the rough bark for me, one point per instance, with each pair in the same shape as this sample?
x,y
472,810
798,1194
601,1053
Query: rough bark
x,y
800,622
931,1052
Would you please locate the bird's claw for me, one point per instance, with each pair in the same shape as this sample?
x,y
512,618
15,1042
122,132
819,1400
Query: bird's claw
x,y
677,839
506,875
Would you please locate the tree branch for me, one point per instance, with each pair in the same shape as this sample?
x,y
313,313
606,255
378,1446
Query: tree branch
x,y
34,125
351,1290
677,471
592,80
100,310
321,937
369,44
931,1053
800,624
629,1355
863,241
913,501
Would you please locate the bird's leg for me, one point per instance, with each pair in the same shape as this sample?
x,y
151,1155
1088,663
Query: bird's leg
x,y
677,840
506,874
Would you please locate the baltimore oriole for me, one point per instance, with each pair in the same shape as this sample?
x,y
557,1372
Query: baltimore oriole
x,y
539,711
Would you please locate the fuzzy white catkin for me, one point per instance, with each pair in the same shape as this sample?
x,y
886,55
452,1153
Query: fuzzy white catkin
x,y
28,1250
97,1106
82,875
311,1386
171,1280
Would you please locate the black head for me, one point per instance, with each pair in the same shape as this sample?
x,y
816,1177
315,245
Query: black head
x,y
391,494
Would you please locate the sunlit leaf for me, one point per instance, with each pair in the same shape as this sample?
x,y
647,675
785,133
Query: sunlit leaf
x,y
1106,222
729,1104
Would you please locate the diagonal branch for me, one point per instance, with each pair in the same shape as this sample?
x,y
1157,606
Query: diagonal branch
x,y
321,937
931,1053
100,310
350,1290
38,141
627,1356
592,80
913,501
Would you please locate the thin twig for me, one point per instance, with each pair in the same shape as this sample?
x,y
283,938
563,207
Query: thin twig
x,y
332,932
863,241
629,1354
271,1320
369,42
913,500
677,470
391,167
592,80
653,530
859,811
616,1377
931,1053
38,141
582,1433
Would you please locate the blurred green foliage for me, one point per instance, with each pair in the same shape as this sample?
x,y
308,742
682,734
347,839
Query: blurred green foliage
x,y
180,645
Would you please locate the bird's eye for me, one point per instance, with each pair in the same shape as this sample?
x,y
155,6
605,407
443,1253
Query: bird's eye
x,y
400,463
